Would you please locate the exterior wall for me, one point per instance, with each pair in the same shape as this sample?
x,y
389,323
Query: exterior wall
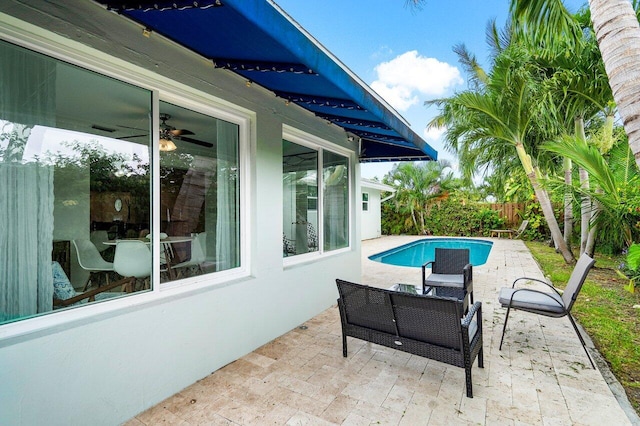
x,y
372,218
103,364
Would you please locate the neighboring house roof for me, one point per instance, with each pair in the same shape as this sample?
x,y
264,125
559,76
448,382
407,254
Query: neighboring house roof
x,y
259,41
368,183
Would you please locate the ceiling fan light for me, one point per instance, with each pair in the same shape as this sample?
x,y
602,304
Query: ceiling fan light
x,y
167,145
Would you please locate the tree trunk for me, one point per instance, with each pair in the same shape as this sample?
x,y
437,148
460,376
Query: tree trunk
x,y
568,202
415,222
593,231
585,210
585,206
618,33
545,205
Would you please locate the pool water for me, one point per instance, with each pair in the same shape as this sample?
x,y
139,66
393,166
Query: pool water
x,y
419,252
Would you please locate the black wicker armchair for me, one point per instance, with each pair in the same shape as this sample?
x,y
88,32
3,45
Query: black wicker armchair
x,y
427,326
451,274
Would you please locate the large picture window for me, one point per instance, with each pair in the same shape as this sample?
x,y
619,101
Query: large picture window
x,y
76,187
71,185
309,175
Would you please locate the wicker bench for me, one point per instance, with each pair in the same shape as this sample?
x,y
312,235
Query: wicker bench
x,y
428,326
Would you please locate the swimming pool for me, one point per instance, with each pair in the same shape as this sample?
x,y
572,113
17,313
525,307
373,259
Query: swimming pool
x,y
419,252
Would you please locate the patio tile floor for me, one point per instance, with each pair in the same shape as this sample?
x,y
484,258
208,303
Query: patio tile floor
x,y
541,376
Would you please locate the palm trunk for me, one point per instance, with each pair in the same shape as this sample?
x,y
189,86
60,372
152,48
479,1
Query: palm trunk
x,y
415,222
585,210
618,34
585,206
593,232
545,205
605,146
568,202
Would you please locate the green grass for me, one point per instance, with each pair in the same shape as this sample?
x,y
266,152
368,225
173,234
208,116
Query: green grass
x,y
605,310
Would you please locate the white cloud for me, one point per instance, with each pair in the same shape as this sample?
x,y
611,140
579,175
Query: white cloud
x,y
404,80
383,51
434,133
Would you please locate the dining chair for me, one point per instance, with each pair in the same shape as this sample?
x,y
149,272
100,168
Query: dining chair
x,y
90,260
133,260
198,253
98,238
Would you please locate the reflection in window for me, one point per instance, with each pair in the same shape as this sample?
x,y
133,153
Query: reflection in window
x,y
301,189
73,180
365,201
335,181
199,194
300,192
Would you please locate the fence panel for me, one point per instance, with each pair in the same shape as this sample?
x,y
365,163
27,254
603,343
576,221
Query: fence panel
x,y
511,212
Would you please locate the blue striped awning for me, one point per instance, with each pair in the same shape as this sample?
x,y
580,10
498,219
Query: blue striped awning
x,y
257,40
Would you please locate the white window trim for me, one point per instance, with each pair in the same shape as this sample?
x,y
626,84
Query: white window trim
x,y
320,145
48,43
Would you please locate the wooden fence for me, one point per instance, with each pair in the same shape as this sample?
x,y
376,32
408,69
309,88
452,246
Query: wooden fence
x,y
511,212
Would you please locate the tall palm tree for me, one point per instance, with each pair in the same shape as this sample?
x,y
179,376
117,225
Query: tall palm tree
x,y
504,116
582,80
618,34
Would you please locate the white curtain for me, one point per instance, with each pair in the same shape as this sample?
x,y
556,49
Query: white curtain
x,y
227,223
26,239
336,203
27,98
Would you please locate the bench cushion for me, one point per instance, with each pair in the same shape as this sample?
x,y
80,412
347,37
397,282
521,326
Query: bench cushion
x,y
532,300
445,280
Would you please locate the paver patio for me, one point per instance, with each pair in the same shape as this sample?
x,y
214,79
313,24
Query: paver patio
x,y
541,376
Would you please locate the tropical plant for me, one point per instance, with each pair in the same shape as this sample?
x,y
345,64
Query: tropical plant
x,y
504,120
616,189
631,268
418,185
617,31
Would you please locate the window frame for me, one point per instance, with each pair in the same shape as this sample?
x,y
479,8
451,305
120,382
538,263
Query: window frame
x,y
365,203
31,37
320,145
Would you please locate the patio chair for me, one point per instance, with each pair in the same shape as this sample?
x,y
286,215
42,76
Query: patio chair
x,y
551,303
451,274
65,295
513,233
90,260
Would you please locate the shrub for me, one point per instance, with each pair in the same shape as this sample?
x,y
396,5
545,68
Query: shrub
x,y
448,217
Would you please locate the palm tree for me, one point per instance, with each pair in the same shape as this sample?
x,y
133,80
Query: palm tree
x,y
417,185
618,177
615,23
503,116
582,81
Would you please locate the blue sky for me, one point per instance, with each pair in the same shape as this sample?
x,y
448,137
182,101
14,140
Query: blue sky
x,y
404,54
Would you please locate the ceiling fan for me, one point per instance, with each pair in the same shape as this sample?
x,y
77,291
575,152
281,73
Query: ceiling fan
x,y
169,133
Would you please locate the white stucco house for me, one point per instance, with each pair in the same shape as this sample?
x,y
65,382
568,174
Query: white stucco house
x,y
166,151
371,216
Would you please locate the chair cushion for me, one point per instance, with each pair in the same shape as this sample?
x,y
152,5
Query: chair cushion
x,y
532,300
106,295
473,329
445,280
62,288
